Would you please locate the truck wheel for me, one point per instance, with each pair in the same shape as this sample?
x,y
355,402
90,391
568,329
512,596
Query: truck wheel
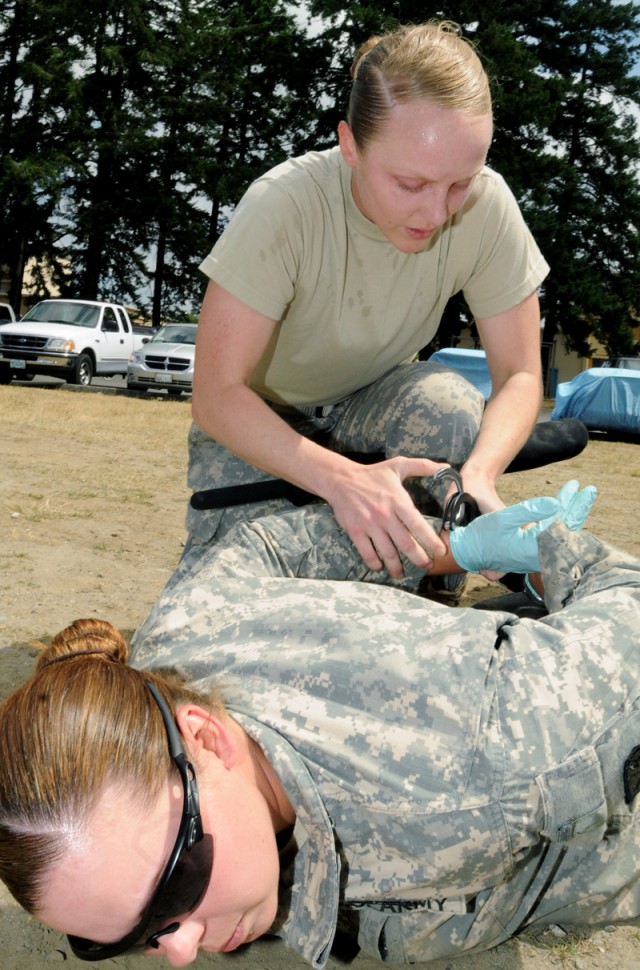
x,y
5,375
83,371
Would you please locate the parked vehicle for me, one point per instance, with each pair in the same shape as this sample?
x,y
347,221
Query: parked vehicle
x,y
6,313
166,361
625,363
603,398
70,339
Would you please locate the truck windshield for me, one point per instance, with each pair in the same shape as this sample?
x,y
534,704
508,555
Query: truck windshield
x,y
63,311
175,334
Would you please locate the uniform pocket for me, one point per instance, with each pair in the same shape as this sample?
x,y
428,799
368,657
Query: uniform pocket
x,y
573,799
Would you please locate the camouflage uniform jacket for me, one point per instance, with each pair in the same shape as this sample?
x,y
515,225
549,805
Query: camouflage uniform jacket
x,y
457,774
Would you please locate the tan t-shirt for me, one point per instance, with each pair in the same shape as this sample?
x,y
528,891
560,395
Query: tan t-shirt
x,y
348,304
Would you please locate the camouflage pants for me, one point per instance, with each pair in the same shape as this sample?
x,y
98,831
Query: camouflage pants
x,y
418,409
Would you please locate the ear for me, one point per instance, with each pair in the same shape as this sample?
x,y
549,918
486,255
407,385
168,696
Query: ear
x,y
347,144
204,731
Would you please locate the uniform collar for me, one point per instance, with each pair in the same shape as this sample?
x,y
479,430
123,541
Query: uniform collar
x,y
309,884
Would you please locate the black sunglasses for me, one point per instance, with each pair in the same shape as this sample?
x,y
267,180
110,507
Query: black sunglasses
x,y
187,873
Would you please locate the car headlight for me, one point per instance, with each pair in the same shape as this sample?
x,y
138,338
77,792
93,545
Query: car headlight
x,y
136,357
60,343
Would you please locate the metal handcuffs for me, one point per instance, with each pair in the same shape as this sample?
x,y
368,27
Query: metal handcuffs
x,y
461,508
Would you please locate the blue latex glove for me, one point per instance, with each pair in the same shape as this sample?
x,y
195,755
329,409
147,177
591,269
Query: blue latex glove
x,y
498,540
576,504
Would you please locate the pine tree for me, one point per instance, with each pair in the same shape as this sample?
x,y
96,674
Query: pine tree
x,y
130,129
35,73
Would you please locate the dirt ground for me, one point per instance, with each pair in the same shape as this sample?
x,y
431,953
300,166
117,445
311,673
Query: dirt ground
x,y
92,500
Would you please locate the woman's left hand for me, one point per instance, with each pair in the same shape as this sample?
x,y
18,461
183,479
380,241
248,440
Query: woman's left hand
x,y
506,540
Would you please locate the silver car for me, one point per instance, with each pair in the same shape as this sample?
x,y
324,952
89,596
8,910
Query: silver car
x,y
166,361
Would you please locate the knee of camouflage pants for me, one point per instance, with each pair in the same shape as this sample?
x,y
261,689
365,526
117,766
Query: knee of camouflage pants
x,y
438,410
213,466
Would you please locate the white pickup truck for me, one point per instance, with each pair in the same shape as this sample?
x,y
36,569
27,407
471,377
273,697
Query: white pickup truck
x,y
71,339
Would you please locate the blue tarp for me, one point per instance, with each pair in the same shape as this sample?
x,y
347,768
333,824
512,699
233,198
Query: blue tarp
x,y
472,364
604,398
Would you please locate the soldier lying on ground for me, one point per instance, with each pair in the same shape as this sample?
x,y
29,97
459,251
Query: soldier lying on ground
x,y
424,780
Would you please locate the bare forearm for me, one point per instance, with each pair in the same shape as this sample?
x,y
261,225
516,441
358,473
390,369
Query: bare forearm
x,y
512,344
241,421
507,423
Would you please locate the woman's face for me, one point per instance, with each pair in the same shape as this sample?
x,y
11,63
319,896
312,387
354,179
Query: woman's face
x,y
100,889
418,171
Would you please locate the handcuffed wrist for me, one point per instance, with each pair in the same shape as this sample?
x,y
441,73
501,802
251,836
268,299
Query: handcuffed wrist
x,y
532,591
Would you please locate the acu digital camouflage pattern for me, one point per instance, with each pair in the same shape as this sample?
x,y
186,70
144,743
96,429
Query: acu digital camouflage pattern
x,y
418,409
457,774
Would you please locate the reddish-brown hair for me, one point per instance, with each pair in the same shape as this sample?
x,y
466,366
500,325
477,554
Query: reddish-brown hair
x,y
83,721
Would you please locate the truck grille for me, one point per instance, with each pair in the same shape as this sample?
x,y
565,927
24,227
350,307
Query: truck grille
x,y
10,341
158,362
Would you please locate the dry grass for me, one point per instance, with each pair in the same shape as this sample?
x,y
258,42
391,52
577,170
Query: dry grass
x,y
100,449
94,417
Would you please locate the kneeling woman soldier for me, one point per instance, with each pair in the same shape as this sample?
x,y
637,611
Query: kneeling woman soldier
x,y
432,779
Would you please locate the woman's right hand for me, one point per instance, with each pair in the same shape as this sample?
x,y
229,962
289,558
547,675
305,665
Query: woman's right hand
x,y
371,504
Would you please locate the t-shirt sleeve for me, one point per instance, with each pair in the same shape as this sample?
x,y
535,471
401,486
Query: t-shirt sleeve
x,y
257,258
508,265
